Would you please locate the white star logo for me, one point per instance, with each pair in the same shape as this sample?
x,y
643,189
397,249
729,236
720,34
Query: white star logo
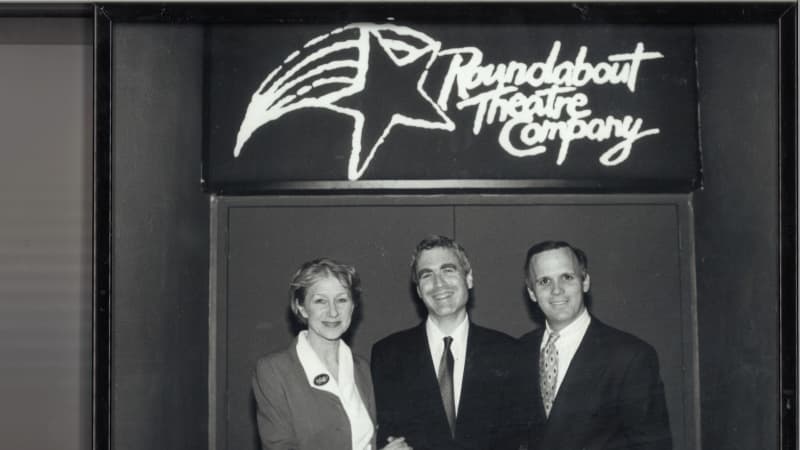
x,y
331,71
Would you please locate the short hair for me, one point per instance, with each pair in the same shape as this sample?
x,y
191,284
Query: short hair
x,y
312,271
438,241
535,249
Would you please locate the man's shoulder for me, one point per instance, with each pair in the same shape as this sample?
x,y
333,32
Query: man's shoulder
x,y
399,338
491,336
394,353
532,337
361,364
615,338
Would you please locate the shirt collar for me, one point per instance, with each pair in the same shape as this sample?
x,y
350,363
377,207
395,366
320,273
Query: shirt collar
x,y
317,375
578,326
459,334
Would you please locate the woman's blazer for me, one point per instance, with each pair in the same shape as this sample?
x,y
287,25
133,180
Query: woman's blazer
x,y
293,415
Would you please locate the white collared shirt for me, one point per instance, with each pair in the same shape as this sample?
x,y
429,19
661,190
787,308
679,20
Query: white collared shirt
x,y
458,348
569,340
318,376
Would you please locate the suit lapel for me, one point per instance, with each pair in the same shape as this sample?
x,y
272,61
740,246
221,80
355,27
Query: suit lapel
x,y
421,368
422,360
321,395
534,363
470,382
528,373
578,388
363,385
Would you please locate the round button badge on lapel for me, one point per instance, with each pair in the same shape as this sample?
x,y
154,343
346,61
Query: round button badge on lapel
x,y
321,379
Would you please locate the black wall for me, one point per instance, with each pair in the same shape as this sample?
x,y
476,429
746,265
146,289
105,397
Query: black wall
x,y
160,243
640,260
736,234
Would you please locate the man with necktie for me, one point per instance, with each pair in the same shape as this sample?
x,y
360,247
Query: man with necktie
x,y
590,386
446,383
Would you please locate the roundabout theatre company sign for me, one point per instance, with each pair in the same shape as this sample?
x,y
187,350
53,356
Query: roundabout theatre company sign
x,y
578,105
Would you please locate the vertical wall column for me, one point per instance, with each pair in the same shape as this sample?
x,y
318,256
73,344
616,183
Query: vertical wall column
x,y
737,237
160,241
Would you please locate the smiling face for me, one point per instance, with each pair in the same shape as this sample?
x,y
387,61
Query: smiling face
x,y
557,283
443,284
328,309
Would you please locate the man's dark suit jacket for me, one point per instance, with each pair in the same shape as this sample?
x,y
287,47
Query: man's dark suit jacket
x,y
612,396
407,391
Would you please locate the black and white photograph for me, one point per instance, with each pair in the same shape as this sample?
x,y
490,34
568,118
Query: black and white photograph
x,y
431,226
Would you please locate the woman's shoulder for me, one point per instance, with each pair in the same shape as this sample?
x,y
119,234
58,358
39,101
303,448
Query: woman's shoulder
x,y
360,361
362,371
276,361
361,364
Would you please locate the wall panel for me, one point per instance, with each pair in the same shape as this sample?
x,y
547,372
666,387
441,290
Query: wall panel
x,y
639,260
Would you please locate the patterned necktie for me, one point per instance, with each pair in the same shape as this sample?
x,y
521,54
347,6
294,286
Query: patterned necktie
x,y
445,376
548,372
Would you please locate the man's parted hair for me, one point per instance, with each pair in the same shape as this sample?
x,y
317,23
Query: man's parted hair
x,y
583,261
438,241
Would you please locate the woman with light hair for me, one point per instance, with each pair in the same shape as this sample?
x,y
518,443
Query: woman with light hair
x,y
317,394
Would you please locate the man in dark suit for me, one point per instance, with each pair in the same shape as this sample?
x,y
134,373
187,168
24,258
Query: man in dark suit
x,y
444,384
590,386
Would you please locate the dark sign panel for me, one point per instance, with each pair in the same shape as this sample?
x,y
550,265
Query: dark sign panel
x,y
404,106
